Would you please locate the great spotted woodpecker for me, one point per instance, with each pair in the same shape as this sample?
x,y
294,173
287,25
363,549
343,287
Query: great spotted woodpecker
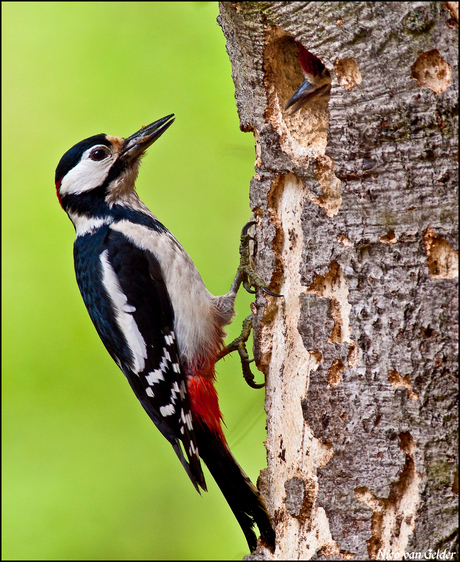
x,y
152,311
316,84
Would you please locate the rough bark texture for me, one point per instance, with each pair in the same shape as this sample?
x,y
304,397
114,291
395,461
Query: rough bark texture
x,y
356,209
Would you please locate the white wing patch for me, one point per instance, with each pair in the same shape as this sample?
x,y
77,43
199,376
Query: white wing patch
x,y
165,360
186,419
154,377
167,410
157,376
123,314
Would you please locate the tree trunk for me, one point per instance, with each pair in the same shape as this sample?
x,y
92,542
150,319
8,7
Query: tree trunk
x,y
356,210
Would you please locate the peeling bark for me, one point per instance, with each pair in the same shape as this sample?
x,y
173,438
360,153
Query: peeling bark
x,y
356,208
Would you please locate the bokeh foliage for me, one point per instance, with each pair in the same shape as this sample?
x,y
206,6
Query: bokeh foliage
x,y
86,475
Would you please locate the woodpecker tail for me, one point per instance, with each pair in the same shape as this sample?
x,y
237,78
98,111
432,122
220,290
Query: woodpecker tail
x,y
242,496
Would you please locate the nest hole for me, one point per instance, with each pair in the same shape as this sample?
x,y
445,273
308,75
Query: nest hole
x,y
303,134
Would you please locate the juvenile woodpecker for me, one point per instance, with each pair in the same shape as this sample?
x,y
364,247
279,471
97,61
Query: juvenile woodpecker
x,y
152,311
316,84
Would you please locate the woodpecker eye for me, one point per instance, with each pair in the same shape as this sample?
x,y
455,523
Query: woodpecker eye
x,y
99,154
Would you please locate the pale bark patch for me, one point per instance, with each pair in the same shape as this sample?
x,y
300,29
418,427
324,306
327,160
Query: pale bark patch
x,y
442,258
393,519
348,74
302,527
397,381
431,71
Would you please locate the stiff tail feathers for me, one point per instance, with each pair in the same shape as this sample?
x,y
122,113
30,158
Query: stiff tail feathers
x,y
242,496
192,468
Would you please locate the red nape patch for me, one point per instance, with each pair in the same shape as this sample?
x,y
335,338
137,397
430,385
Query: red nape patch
x,y
204,404
310,63
58,186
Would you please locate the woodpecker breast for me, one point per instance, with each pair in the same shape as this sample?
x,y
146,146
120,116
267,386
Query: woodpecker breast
x,y
198,322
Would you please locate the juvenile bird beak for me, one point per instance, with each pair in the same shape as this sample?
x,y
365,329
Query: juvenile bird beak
x,y
307,93
138,143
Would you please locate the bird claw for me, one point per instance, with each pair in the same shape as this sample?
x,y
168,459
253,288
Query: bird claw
x,y
250,278
271,293
246,227
239,344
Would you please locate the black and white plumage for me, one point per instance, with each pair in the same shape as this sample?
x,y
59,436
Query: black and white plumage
x,y
152,310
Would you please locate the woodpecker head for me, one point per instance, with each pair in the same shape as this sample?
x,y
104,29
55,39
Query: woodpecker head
x,y
101,171
316,84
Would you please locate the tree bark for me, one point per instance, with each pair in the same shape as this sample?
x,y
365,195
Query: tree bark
x,y
356,210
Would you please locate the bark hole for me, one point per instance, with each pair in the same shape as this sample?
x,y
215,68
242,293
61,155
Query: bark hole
x,y
442,258
453,10
389,238
300,498
347,72
334,375
431,71
397,381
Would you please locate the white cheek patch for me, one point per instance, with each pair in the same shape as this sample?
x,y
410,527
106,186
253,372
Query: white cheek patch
x,y
124,318
87,174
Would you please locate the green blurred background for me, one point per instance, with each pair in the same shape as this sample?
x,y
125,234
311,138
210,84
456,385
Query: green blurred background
x,y
86,475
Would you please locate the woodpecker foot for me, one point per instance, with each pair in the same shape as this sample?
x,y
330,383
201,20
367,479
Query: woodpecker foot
x,y
239,344
249,277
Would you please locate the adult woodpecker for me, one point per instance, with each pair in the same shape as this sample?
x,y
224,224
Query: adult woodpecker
x,y
316,84
152,311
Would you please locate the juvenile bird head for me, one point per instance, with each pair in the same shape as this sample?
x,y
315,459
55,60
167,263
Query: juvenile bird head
x,y
316,85
101,170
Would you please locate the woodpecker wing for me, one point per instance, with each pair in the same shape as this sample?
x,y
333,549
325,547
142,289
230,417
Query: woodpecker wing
x,y
134,304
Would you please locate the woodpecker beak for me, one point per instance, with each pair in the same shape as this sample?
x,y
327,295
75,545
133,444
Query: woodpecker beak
x,y
137,144
306,94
